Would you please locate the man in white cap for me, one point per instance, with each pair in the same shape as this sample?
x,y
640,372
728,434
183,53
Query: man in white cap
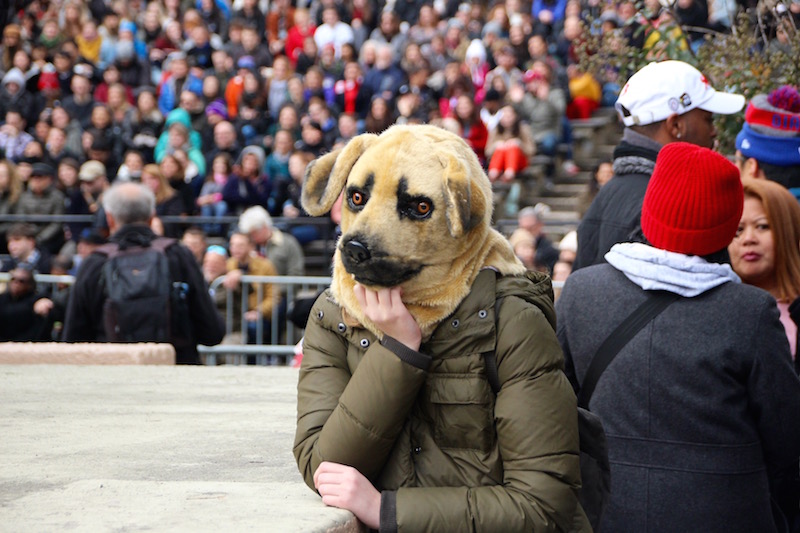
x,y
662,103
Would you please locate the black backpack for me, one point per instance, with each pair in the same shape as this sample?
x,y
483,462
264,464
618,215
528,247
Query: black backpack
x,y
138,287
595,469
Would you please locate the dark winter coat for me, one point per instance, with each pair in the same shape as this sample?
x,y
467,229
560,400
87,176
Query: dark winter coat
x,y
700,407
426,428
203,325
616,211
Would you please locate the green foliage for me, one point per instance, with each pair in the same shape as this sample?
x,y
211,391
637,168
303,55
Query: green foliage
x,y
759,55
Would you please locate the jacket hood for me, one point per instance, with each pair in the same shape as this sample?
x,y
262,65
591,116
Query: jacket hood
x,y
256,151
180,116
654,269
14,76
476,49
533,287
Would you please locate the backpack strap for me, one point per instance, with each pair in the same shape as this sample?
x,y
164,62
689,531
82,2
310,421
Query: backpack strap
x,y
109,249
656,302
490,357
162,243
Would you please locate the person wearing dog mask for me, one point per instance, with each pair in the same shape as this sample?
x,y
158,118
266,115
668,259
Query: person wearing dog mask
x,y
397,421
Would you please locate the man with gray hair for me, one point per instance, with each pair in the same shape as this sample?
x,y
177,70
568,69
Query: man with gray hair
x,y
94,313
281,248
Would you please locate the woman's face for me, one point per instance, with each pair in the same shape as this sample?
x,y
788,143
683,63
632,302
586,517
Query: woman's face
x,y
464,107
60,118
604,173
22,61
100,117
509,117
379,108
150,181
116,97
146,102
169,167
752,250
219,166
67,175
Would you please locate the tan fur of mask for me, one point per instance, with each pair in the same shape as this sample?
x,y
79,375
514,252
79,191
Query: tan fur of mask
x,y
435,257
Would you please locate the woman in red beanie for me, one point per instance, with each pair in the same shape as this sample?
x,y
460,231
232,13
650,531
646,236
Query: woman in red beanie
x,y
700,404
765,251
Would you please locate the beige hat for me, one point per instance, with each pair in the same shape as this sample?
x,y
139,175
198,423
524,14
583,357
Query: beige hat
x,y
91,170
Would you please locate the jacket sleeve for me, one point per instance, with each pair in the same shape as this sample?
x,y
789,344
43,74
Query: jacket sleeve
x,y
207,325
537,433
588,236
52,229
85,304
352,419
268,293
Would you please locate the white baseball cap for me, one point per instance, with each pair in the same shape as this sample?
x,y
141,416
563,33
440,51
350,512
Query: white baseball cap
x,y
669,87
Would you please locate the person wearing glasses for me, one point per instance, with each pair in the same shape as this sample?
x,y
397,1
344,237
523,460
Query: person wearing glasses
x,y
24,313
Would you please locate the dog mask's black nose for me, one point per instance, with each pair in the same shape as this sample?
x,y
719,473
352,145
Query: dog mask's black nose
x,y
356,252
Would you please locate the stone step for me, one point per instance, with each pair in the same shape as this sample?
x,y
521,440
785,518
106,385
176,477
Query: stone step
x,y
565,189
556,203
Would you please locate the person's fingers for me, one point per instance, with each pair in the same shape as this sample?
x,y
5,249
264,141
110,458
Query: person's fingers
x,y
371,298
384,296
359,293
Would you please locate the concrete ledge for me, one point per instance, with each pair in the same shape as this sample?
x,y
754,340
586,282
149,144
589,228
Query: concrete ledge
x,y
86,353
154,448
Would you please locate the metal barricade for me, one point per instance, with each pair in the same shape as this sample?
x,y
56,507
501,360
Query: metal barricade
x,y
281,329
42,278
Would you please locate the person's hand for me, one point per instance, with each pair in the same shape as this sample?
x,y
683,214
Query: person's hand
x,y
386,309
251,316
9,130
232,279
542,91
43,306
545,16
345,487
291,211
516,93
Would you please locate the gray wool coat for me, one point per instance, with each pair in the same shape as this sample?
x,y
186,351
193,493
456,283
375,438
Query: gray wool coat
x,y
700,407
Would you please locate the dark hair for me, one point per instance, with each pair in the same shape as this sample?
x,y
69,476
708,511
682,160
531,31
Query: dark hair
x,y
789,176
22,229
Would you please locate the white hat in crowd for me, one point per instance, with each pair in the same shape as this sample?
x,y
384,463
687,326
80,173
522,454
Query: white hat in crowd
x,y
661,89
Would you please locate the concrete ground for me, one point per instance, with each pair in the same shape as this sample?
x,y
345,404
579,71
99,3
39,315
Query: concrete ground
x,y
153,448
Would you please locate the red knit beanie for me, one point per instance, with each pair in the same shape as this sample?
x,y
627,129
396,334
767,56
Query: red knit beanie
x,y
693,202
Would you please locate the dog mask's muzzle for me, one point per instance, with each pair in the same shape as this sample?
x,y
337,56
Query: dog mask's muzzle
x,y
371,266
356,252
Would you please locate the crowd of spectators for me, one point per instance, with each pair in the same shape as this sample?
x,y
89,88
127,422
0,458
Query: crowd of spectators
x,y
218,105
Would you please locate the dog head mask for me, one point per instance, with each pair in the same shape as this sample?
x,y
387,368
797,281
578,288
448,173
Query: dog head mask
x,y
416,213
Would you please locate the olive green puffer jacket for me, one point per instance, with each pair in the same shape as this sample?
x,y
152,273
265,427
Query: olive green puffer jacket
x,y
426,428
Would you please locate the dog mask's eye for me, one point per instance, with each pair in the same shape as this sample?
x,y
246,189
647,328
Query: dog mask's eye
x,y
423,208
357,199
416,208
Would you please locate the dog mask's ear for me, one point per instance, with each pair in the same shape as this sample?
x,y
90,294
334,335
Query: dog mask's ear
x,y
458,198
325,177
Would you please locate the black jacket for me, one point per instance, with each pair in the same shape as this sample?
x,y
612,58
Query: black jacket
x,y
203,325
18,322
616,211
